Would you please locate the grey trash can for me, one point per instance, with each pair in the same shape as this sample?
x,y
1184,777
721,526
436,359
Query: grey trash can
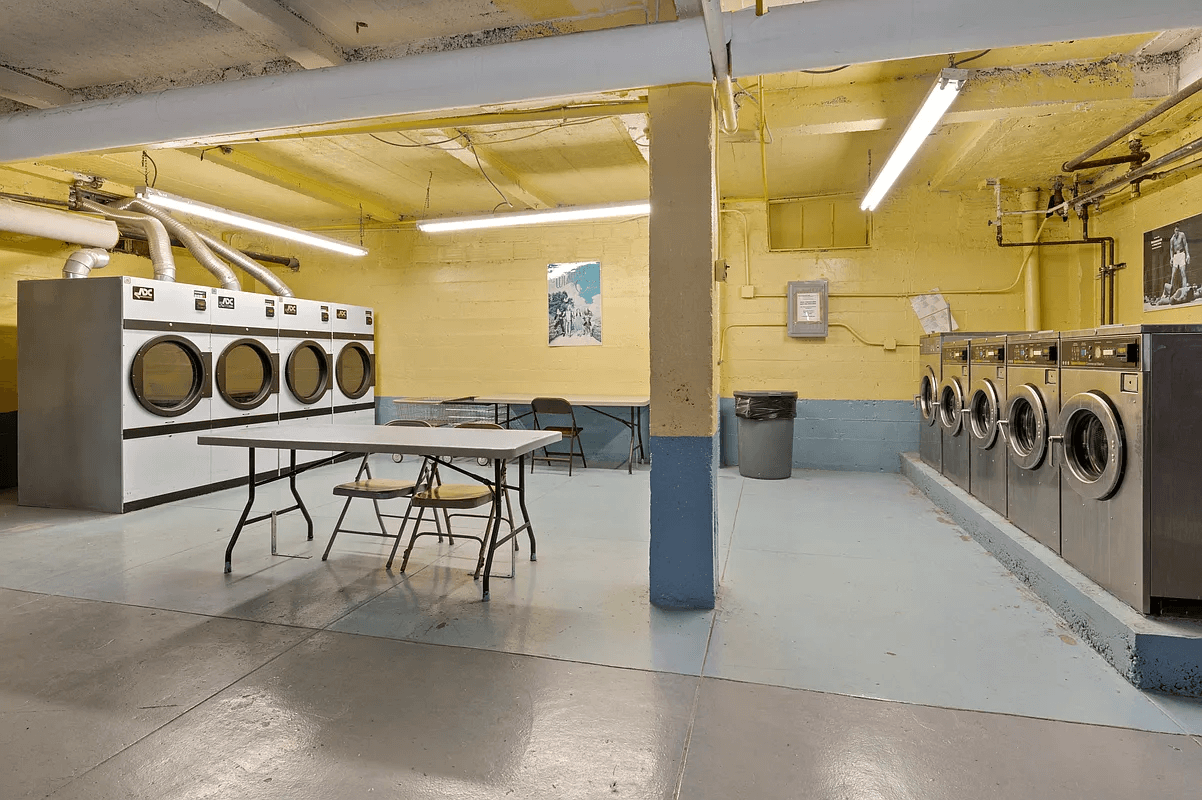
x,y
766,433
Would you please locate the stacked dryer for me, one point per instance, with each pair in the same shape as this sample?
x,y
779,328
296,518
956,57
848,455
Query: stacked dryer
x,y
1131,436
985,406
307,368
246,376
1033,479
354,353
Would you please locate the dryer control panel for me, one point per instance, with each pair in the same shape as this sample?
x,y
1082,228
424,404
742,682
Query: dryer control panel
x,y
1033,353
1105,353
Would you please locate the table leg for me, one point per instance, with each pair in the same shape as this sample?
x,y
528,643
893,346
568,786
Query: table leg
x,y
292,485
630,458
522,505
639,424
494,520
229,550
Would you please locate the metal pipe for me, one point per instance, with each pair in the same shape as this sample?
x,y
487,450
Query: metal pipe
x,y
63,226
43,201
155,232
196,247
1033,277
1133,158
81,262
292,262
715,32
252,268
1143,119
1140,172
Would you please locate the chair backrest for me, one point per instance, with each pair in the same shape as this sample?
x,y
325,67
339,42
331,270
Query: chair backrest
x,y
550,405
409,423
490,426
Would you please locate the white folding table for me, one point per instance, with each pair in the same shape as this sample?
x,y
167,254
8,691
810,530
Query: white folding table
x,y
593,402
442,444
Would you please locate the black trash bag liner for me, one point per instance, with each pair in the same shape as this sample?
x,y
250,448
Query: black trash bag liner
x,y
766,405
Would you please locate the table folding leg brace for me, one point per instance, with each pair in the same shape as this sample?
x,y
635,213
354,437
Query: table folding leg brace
x,y
253,484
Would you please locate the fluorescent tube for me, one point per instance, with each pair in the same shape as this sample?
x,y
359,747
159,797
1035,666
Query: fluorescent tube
x,y
937,101
535,217
217,214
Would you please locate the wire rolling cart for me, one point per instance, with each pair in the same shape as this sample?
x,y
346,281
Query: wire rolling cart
x,y
443,411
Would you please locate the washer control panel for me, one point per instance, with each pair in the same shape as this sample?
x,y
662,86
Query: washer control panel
x,y
989,353
1109,353
1039,354
955,352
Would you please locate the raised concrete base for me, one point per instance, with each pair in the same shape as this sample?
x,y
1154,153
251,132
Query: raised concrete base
x,y
1163,654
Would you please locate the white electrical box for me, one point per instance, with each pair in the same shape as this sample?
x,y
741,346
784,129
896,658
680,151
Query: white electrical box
x,y
808,309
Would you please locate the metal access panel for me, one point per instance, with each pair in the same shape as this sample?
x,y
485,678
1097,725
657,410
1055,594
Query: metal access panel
x,y
808,309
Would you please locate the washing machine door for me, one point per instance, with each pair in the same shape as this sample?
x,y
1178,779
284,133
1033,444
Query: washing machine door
x,y
984,411
1094,447
247,374
951,404
307,372
170,375
928,397
355,370
1028,426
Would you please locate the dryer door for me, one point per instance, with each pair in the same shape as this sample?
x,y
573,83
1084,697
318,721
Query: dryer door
x,y
1094,446
307,372
1028,426
247,374
984,411
354,370
169,375
951,404
928,397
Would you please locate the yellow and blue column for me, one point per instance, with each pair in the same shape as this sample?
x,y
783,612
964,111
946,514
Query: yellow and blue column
x,y
684,336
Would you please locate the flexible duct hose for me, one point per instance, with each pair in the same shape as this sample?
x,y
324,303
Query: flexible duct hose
x,y
156,236
81,262
196,247
252,267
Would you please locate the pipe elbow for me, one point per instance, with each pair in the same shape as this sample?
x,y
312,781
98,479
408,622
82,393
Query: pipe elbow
x,y
82,262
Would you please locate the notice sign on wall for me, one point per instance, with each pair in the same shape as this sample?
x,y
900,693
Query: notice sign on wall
x,y
807,309
1172,270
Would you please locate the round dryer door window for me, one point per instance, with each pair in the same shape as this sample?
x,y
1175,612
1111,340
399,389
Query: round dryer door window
x,y
308,372
1094,448
246,374
928,398
169,376
354,370
1028,427
983,415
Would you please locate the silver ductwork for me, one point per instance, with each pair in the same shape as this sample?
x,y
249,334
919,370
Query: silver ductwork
x,y
156,235
81,262
251,267
199,250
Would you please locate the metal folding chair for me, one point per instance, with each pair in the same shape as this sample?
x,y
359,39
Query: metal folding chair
x,y
558,407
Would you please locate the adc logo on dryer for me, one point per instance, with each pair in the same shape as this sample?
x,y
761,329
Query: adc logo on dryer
x,y
143,293
225,302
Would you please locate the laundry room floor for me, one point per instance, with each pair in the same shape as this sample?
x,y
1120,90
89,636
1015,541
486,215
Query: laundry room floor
x,y
863,646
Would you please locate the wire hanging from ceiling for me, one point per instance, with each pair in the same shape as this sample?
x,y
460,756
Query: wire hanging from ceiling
x,y
471,146
824,71
970,58
146,171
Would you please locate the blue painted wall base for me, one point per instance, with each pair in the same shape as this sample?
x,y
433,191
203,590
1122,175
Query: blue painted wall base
x,y
855,435
684,521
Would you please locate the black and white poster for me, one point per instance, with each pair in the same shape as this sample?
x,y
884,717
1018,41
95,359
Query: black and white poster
x,y
1173,265
574,304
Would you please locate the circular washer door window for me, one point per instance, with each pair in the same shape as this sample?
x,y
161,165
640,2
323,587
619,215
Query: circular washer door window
x,y
308,372
928,398
246,374
951,401
983,415
1028,428
1093,446
354,370
169,376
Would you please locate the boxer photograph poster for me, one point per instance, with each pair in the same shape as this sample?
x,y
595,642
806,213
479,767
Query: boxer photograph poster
x,y
1173,265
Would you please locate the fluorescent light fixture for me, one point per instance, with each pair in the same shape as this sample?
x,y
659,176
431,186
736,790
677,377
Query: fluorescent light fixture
x,y
541,217
217,214
938,100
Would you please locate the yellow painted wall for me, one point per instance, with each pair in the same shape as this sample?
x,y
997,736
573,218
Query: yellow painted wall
x,y
466,314
922,240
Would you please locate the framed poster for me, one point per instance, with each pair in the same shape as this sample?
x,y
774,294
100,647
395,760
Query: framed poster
x,y
574,304
1173,265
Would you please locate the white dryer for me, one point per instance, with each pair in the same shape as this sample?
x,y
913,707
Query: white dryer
x,y
306,366
354,345
246,377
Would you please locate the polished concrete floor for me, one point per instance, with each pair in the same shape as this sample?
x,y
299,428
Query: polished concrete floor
x,y
863,647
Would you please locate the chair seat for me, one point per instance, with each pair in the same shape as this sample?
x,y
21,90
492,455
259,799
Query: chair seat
x,y
568,431
454,495
375,488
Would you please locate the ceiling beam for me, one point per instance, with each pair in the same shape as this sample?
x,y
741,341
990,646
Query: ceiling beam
x,y
458,146
261,169
280,28
636,127
31,91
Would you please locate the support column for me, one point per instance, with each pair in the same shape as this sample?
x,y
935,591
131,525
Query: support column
x,y
1034,275
684,336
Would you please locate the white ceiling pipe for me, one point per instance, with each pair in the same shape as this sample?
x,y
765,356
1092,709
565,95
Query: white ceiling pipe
x,y
828,34
715,32
63,226
540,69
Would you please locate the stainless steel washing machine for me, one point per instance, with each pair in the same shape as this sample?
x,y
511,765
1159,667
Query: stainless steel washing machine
x,y
1033,479
930,436
985,404
1131,435
953,393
